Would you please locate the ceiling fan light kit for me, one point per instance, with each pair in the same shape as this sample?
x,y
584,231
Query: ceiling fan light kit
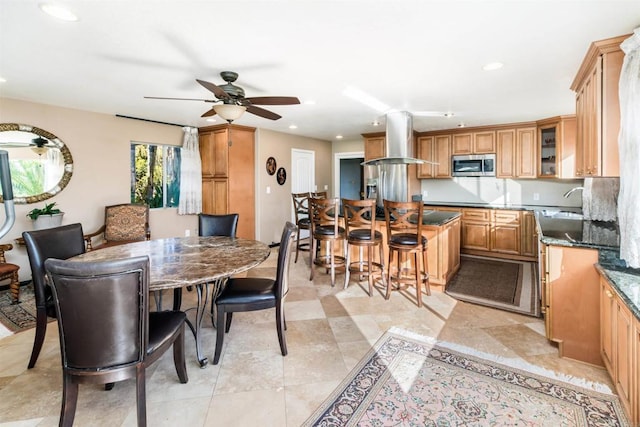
x,y
229,112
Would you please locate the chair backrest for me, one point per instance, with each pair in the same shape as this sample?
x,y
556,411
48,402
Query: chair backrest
x,y
300,205
59,242
403,217
318,194
324,213
359,215
126,222
102,309
217,225
284,253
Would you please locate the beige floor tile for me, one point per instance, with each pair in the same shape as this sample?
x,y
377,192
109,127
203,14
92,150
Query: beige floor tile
x,y
301,400
264,408
250,370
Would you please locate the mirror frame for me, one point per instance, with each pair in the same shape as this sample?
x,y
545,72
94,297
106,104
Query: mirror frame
x,y
66,155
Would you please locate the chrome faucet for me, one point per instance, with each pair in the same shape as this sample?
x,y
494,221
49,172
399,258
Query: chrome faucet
x,y
568,193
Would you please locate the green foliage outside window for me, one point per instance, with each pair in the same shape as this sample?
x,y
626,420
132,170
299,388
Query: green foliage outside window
x,y
27,177
155,175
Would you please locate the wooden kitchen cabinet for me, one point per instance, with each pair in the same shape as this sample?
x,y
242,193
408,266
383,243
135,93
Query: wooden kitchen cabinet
x,y
598,109
572,312
619,351
557,147
505,232
476,229
528,235
436,149
482,142
374,146
228,174
516,153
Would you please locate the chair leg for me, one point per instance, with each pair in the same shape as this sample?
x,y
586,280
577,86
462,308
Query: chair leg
x,y
312,251
141,392
69,400
227,325
347,263
418,278
332,263
178,357
280,325
41,330
425,263
297,244
219,335
382,267
388,295
14,286
177,299
370,267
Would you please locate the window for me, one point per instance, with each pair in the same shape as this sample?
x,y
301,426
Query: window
x,y
155,175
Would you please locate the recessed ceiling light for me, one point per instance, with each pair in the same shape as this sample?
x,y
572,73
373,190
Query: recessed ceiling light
x,y
58,11
293,127
211,120
375,123
338,136
460,125
448,115
493,66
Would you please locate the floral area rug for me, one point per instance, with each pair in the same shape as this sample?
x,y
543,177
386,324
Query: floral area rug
x,y
407,380
18,317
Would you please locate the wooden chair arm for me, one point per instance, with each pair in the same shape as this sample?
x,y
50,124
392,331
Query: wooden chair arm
x,y
6,247
147,231
90,236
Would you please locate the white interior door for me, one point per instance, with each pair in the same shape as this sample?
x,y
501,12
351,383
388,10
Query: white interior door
x,y
303,176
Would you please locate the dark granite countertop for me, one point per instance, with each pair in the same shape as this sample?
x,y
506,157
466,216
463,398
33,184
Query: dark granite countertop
x,y
578,232
438,218
625,281
507,206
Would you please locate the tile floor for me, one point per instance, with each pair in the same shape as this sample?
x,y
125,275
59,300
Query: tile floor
x,y
329,330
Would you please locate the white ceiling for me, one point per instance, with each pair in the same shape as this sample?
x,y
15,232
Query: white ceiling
x,y
411,55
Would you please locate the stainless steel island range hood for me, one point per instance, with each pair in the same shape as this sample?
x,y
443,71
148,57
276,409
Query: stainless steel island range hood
x,y
395,174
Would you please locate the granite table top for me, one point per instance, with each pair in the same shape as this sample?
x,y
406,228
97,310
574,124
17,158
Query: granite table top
x,y
184,261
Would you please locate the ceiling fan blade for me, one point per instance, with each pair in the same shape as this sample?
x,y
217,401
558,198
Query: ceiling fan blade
x,y
262,112
217,91
209,113
181,99
273,100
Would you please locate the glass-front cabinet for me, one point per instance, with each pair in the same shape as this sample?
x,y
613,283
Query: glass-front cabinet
x,y
557,147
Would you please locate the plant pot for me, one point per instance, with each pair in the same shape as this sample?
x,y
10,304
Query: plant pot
x,y
47,221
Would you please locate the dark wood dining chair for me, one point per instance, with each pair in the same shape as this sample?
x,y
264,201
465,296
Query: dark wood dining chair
x,y
360,229
9,271
404,238
59,242
325,228
107,333
253,293
211,225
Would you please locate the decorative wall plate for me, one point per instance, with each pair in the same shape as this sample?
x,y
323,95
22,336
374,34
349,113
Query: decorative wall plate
x,y
271,165
282,176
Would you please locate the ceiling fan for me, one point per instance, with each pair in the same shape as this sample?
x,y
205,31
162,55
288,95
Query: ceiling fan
x,y
231,102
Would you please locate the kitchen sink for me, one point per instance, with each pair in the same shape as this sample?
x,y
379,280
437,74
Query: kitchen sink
x,y
561,214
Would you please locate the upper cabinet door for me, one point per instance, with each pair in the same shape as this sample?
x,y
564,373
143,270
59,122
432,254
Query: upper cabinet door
x,y
484,142
374,147
462,144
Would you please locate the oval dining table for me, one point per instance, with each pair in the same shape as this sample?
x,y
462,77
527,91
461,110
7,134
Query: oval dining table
x,y
202,262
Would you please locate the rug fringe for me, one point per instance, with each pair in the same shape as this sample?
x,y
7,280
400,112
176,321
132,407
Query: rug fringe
x,y
516,363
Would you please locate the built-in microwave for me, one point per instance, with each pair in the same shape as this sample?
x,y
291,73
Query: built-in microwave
x,y
474,165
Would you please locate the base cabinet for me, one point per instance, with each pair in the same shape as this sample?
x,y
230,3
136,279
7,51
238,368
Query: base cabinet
x,y
619,337
572,302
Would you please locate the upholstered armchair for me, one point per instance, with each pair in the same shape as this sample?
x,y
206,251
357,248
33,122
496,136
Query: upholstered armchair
x,y
9,272
124,223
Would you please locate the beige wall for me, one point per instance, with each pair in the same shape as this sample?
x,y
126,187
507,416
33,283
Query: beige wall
x,y
275,208
100,146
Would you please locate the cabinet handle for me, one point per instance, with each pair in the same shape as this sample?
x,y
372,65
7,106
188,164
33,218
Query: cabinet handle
x,y
608,293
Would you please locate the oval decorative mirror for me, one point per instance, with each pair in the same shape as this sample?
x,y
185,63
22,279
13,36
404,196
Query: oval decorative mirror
x,y
41,164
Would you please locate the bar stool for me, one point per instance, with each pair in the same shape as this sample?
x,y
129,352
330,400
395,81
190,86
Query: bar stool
x,y
360,229
324,214
404,237
303,222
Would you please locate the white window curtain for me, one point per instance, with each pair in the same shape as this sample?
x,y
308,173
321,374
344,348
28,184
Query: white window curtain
x,y
53,168
190,174
629,145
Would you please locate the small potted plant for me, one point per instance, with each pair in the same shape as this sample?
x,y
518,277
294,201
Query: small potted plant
x,y
46,217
